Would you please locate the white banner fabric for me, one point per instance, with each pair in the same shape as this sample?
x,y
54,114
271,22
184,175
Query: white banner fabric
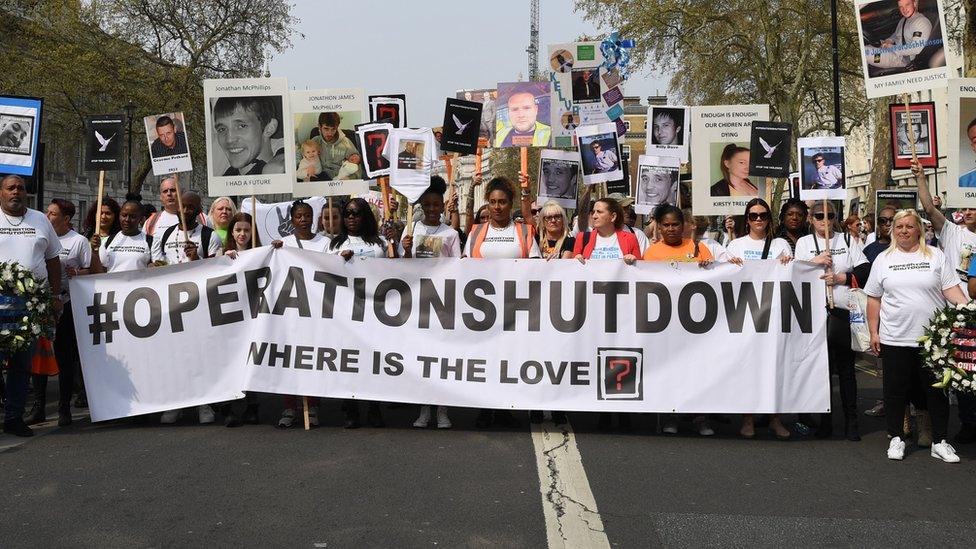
x,y
520,334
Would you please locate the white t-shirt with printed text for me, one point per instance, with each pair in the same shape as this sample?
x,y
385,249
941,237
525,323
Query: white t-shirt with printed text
x,y
502,244
910,286
125,253
606,247
360,248
318,243
75,253
845,258
750,249
176,243
958,244
29,240
439,241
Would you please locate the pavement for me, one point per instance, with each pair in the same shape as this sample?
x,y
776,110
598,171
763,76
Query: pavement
x,y
135,483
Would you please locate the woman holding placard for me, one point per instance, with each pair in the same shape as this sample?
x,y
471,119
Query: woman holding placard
x,y
109,217
500,238
759,244
909,282
554,240
431,238
607,239
845,266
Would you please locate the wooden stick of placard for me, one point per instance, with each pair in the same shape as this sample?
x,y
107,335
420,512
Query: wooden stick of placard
x,y
308,425
328,230
827,236
524,165
911,129
387,214
179,204
98,206
254,221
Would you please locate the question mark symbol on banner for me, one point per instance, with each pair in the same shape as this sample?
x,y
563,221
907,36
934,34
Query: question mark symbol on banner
x,y
624,366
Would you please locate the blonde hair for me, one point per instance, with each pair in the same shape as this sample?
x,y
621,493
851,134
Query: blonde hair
x,y
213,206
552,207
312,143
922,246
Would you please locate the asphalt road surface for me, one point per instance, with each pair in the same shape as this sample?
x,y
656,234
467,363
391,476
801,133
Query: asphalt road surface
x,y
141,484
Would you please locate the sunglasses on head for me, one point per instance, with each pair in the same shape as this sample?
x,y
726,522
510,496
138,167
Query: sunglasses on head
x,y
352,213
758,216
820,216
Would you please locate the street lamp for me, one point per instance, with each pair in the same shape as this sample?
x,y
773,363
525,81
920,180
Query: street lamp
x,y
130,109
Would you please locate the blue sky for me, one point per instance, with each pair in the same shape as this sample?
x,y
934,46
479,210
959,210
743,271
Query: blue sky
x,y
427,48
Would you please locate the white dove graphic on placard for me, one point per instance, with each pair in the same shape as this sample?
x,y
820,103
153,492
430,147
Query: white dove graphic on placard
x,y
460,127
769,150
103,141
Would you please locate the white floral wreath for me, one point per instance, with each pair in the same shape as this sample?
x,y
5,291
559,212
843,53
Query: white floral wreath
x,y
949,347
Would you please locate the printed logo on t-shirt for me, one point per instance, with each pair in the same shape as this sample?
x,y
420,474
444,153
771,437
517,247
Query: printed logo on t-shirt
x,y
429,246
918,266
18,231
606,252
751,255
504,239
965,258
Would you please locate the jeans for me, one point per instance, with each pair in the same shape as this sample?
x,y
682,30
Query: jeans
x,y
17,376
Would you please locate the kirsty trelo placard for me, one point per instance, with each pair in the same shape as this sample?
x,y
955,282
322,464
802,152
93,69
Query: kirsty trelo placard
x,y
720,155
250,148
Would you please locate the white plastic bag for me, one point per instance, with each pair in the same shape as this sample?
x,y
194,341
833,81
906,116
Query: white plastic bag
x,y
857,304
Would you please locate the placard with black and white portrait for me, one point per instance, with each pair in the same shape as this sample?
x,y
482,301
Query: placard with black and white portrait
x,y
657,182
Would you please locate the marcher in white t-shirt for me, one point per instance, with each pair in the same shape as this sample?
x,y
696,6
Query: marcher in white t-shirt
x,y
75,259
844,264
359,238
908,283
431,238
27,238
758,245
168,216
959,245
127,250
175,245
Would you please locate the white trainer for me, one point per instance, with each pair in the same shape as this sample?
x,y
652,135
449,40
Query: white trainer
x,y
896,449
443,422
670,426
424,419
170,416
704,429
206,414
945,452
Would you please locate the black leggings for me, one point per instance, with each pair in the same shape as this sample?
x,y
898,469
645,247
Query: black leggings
x,y
903,374
66,353
840,357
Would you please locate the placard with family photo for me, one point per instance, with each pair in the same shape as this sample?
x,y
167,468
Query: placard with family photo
x,y
390,108
902,45
923,128
169,149
559,173
20,122
769,149
961,153
328,160
667,132
599,152
249,137
580,94
657,182
720,153
822,168
522,117
489,107
103,142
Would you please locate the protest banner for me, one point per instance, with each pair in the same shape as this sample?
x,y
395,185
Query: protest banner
x,y
604,336
329,163
559,173
250,149
902,46
668,133
579,95
169,149
961,186
20,129
720,155
823,174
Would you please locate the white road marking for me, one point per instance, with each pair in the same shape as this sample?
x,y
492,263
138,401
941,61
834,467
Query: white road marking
x,y
572,519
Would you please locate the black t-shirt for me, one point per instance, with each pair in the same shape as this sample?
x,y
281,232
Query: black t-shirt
x,y
568,244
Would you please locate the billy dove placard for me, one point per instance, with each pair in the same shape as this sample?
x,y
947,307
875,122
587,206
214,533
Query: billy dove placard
x,y
462,121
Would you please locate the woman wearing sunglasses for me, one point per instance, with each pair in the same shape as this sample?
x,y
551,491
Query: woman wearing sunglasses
x,y
760,244
845,265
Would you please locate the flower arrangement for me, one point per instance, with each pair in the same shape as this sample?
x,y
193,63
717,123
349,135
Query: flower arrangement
x,y
26,308
949,347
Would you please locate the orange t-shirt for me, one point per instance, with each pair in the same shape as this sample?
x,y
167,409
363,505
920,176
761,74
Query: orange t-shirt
x,y
659,251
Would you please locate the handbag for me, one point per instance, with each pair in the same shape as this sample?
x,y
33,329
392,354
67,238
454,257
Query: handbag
x,y
857,304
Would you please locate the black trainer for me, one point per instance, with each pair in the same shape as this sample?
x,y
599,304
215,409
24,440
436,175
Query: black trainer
x,y
18,428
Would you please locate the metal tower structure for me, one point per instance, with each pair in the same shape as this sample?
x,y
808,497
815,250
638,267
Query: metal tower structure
x,y
533,49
